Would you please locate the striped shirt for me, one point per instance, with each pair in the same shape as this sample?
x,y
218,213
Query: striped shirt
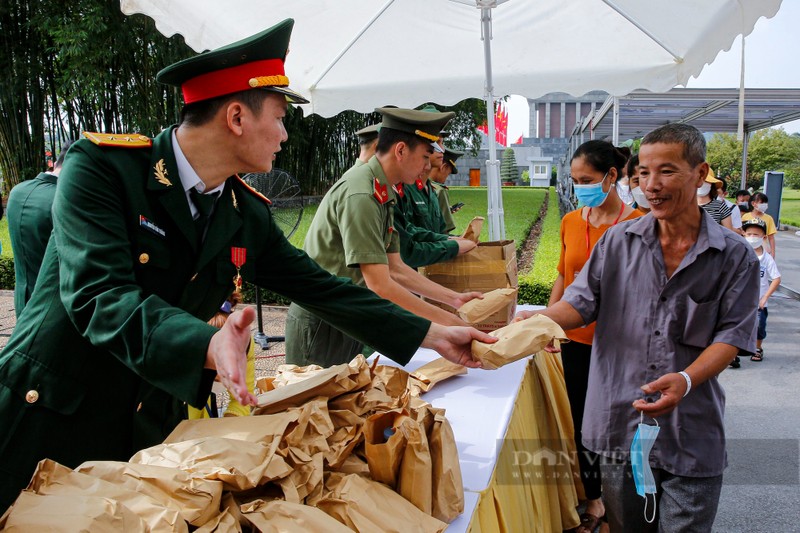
x,y
717,209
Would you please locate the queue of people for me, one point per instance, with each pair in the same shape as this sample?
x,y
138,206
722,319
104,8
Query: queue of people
x,y
151,236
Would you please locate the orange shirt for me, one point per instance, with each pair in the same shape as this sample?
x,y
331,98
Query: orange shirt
x,y
575,253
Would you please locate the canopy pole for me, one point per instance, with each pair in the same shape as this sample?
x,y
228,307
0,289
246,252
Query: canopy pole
x,y
745,147
496,215
615,125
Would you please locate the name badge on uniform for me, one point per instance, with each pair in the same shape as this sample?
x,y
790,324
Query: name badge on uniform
x,y
149,226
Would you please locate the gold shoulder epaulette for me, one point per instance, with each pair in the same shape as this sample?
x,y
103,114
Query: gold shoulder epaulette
x,y
252,191
121,140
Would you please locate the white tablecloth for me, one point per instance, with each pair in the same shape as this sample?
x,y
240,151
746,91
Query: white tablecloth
x,y
479,405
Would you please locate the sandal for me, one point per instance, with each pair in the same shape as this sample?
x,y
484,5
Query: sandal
x,y
758,356
589,523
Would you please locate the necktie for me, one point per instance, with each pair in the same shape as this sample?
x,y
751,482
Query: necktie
x,y
205,205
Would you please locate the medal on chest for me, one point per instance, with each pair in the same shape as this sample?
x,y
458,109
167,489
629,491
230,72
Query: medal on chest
x,y
238,258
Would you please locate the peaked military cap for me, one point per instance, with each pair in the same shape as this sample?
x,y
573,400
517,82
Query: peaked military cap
x,y
451,156
425,124
252,63
368,134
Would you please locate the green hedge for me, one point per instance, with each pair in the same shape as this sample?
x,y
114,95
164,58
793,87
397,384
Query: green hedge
x,y
535,286
7,273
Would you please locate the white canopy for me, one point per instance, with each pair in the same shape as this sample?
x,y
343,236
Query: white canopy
x,y
362,54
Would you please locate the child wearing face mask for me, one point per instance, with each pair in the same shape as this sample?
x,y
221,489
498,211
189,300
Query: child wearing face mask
x,y
755,230
708,199
759,203
639,200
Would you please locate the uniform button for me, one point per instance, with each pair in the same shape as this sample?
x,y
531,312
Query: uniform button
x,y
195,275
663,298
652,367
658,333
144,258
32,396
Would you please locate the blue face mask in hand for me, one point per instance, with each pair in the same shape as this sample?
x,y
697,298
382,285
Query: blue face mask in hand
x,y
592,195
642,443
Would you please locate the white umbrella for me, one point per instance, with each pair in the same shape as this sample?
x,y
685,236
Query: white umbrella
x,y
361,54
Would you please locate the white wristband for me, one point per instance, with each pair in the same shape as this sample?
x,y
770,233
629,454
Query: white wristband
x,y
688,382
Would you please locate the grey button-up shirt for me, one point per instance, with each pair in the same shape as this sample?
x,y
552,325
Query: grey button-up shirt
x,y
648,326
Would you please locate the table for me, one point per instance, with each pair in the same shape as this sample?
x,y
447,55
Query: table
x,y
500,419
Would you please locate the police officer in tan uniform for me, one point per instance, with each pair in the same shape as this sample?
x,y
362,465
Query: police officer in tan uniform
x,y
150,237
353,235
367,141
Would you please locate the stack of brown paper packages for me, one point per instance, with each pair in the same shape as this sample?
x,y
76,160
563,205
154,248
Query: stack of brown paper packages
x,y
351,447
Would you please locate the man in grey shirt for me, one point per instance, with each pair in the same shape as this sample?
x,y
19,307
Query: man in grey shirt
x,y
672,294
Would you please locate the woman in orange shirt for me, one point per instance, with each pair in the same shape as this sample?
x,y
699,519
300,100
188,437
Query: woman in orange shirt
x,y
594,168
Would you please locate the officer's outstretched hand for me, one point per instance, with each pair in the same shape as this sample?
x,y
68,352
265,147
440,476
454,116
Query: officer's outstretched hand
x,y
464,297
465,245
227,354
454,343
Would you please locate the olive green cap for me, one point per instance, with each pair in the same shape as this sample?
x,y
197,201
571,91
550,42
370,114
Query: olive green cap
x,y
368,134
256,62
425,124
451,156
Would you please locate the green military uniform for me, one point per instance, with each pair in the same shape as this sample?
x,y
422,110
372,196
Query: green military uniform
x,y
114,339
419,246
443,198
126,335
29,226
441,190
425,206
354,224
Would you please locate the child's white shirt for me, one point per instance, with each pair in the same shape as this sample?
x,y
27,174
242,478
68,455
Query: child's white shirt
x,y
769,271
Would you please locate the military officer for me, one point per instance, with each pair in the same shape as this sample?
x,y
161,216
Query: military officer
x,y
438,177
353,235
149,238
367,141
29,227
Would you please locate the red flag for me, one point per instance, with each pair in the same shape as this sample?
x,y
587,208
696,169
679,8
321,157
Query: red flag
x,y
501,125
519,141
484,128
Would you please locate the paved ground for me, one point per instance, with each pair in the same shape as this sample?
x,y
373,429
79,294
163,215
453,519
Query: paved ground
x,y
761,491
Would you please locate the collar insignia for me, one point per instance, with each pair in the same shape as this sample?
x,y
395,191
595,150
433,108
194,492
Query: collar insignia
x,y
380,193
161,173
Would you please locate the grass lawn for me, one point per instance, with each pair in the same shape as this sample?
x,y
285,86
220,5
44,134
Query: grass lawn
x,y
790,207
521,206
5,240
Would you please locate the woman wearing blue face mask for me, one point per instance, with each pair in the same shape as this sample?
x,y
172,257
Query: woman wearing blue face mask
x,y
595,168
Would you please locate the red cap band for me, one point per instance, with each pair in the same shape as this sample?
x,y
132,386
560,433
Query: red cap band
x,y
229,80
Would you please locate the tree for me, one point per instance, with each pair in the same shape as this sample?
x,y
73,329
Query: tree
x,y
73,66
508,167
768,150
82,65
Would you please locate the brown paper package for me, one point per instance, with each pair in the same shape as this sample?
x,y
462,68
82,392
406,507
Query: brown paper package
x,y
516,341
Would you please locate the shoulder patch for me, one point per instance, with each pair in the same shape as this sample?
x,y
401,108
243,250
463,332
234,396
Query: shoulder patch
x,y
121,140
252,191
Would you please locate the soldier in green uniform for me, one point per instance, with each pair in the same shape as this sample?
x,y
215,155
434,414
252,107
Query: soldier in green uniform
x,y
438,177
29,226
353,235
149,238
367,141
